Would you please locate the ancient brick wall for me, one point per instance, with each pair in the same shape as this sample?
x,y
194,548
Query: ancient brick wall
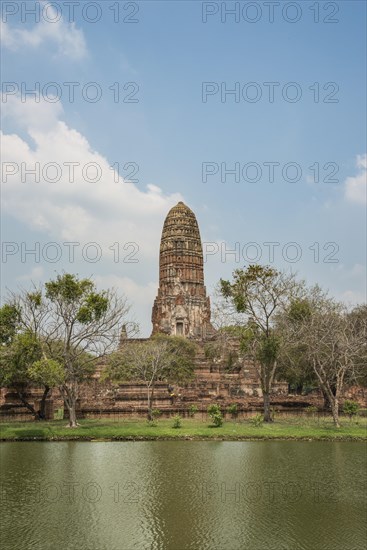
x,y
214,382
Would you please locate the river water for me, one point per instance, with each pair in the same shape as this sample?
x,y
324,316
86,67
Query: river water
x,y
182,495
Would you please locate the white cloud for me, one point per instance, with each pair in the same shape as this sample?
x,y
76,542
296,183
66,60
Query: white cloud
x,y
141,298
74,209
32,115
356,186
353,297
353,280
143,295
69,40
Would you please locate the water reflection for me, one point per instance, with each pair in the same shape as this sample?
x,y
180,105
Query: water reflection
x,y
183,495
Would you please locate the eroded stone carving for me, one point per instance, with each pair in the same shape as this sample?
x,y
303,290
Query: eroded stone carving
x,y
181,306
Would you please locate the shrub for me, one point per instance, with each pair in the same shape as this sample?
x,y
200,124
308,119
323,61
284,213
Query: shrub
x,y
350,408
216,415
257,420
233,409
217,419
212,409
193,409
176,421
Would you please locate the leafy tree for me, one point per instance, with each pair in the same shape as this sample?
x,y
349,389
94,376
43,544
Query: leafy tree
x,y
47,371
258,293
358,320
9,323
331,339
75,325
21,347
162,358
293,364
16,358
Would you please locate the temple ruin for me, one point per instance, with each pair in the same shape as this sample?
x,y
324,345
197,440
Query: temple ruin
x,y
181,306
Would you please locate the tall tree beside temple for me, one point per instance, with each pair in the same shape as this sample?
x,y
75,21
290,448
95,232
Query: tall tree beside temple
x,y
21,348
328,338
77,326
258,293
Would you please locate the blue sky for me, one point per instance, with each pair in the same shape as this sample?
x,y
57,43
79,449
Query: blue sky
x,y
169,132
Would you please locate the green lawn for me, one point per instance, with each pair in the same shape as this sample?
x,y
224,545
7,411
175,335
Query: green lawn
x,y
137,429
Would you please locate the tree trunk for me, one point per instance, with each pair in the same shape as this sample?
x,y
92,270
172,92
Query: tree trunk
x,y
150,416
335,411
27,405
150,402
331,396
327,404
72,417
70,402
267,413
42,410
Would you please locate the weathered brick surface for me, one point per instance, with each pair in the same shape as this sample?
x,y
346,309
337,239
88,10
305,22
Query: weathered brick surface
x,y
181,306
212,384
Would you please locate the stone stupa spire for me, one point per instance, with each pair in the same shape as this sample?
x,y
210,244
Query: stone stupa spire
x,y
181,306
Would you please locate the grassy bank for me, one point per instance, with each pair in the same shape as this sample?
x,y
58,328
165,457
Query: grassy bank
x,y
138,429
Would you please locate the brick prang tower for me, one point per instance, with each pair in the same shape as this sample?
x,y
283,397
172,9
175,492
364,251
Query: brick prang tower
x,y
181,306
